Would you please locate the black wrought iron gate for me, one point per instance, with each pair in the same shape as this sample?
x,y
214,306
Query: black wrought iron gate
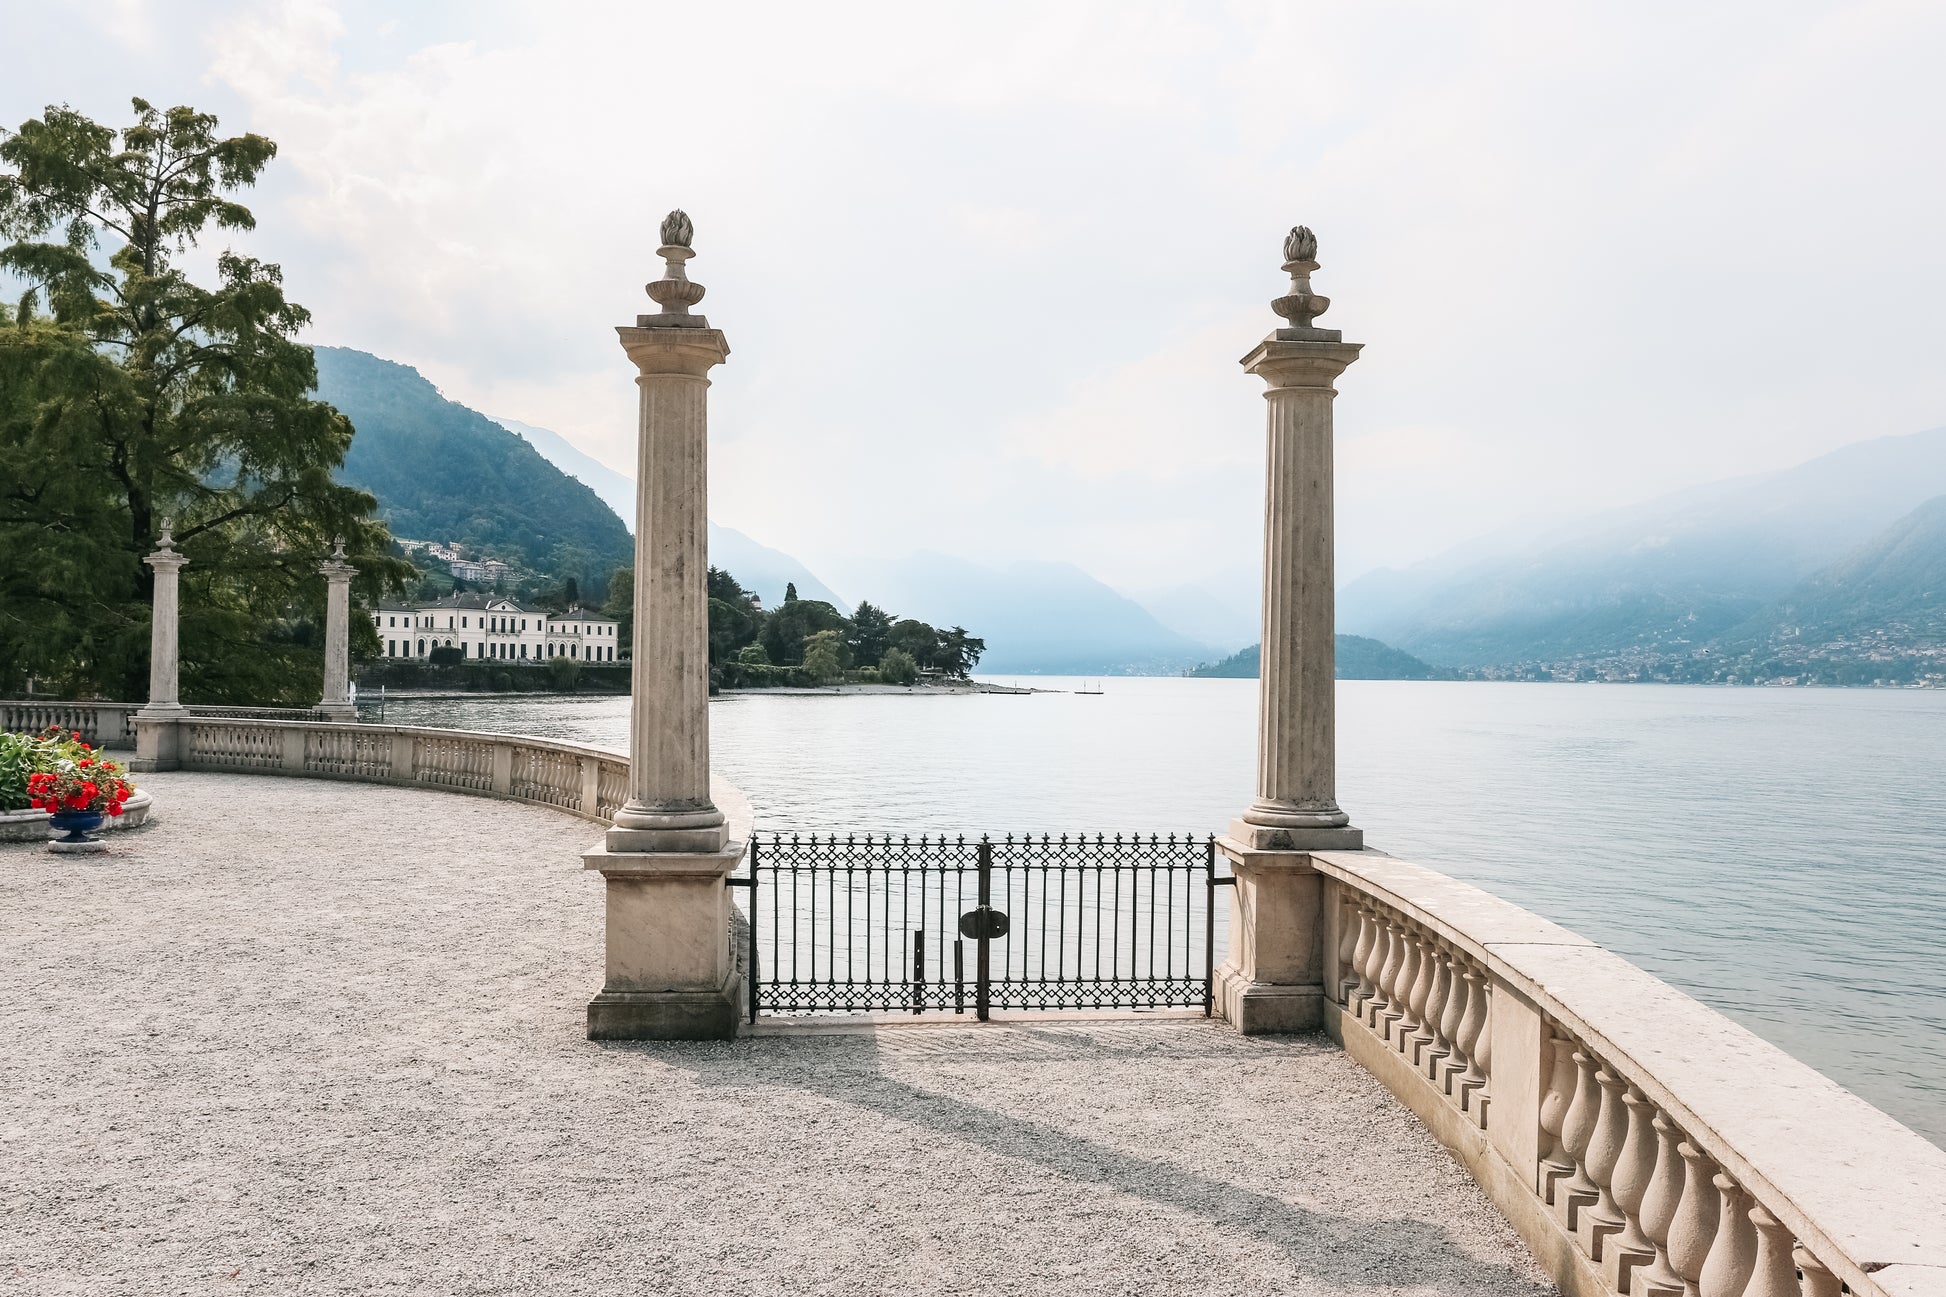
x,y
958,925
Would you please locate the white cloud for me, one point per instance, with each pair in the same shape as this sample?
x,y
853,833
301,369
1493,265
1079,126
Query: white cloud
x,y
986,270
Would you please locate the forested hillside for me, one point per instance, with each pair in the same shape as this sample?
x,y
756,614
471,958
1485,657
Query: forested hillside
x,y
444,472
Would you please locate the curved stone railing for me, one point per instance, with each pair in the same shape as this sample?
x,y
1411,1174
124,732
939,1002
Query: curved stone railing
x,y
584,781
111,725
1640,1142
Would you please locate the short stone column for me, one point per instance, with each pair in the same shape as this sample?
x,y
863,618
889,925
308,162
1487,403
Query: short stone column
x,y
157,735
336,703
1272,979
670,974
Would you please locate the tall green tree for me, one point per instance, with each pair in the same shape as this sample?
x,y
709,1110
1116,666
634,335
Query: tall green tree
x,y
130,393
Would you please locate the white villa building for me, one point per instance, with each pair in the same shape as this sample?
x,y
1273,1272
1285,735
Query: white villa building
x,y
491,627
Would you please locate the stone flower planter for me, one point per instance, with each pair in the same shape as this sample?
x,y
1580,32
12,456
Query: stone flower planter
x,y
136,812
23,826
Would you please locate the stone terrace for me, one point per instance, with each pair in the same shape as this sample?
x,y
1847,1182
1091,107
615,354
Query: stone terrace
x,y
273,1038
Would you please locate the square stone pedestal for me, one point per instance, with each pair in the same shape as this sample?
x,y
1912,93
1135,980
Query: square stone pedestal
x,y
1273,979
672,972
158,739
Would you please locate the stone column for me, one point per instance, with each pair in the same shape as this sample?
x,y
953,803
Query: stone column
x,y
156,735
336,703
670,974
1272,978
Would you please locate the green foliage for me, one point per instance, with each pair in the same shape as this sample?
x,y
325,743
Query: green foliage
x,y
620,604
129,394
16,763
897,667
563,673
443,472
817,644
442,656
824,656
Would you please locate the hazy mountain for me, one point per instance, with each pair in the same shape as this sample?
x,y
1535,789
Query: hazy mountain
x,y
1198,613
756,567
1358,658
1036,617
1661,576
765,570
1896,582
617,490
444,472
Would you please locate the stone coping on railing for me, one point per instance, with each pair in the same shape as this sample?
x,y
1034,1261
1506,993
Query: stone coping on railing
x,y
1859,1191
304,749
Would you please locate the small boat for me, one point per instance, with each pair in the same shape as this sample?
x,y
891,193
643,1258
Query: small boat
x,y
1090,687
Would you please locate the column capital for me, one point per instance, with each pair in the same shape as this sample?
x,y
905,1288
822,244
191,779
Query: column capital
x,y
1282,363
659,351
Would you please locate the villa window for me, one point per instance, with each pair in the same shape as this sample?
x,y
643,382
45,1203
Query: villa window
x,y
523,650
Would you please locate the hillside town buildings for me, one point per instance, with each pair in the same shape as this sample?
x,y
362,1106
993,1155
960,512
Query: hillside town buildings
x,y
490,627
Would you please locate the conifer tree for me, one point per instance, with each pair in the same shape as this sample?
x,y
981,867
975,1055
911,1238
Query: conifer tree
x,y
130,393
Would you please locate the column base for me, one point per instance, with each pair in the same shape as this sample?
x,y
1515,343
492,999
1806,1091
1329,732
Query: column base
x,y
346,712
1268,837
158,739
667,1015
710,840
1266,1008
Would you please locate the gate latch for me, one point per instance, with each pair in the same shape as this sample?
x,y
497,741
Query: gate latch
x,y
984,921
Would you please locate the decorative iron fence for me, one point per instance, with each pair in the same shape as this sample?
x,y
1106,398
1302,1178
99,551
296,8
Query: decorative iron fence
x,y
959,925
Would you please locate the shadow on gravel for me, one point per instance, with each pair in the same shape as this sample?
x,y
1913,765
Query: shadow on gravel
x,y
1348,1253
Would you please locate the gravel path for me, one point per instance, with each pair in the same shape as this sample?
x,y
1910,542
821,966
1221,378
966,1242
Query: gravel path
x,y
354,1063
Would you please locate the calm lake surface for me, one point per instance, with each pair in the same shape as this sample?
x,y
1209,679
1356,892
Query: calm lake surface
x,y
1778,853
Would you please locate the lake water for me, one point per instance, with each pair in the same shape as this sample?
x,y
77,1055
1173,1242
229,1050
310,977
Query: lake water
x,y
1778,853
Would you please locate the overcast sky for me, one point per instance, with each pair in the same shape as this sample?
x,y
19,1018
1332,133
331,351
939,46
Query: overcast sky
x,y
986,270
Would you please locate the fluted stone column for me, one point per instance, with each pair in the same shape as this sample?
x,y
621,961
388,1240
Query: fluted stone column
x,y
670,974
336,702
1272,978
156,733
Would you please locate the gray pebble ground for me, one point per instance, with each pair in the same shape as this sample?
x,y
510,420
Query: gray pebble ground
x,y
306,1037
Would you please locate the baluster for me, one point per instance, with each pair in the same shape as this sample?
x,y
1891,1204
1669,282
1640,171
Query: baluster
x,y
1348,929
1399,1018
1361,955
1556,1164
1659,1207
1457,999
1577,1129
1630,1185
1733,1253
1818,1279
1483,1055
1415,1034
1694,1229
1437,1047
1604,1219
1388,969
1775,1273
1472,1028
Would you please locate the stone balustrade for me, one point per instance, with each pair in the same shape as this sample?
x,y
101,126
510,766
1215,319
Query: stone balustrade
x,y
585,781
1640,1142
111,725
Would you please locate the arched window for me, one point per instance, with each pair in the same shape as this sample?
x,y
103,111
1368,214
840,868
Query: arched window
x,y
422,648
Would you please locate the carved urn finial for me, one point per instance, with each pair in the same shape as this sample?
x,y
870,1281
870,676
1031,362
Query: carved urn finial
x,y
338,548
675,293
1300,306
168,539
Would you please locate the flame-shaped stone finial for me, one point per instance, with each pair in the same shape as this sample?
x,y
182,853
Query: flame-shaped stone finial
x,y
338,548
1300,305
675,292
677,229
168,539
1300,244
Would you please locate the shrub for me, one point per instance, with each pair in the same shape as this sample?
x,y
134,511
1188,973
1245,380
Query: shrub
x,y
16,763
446,657
824,657
898,667
563,673
753,655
